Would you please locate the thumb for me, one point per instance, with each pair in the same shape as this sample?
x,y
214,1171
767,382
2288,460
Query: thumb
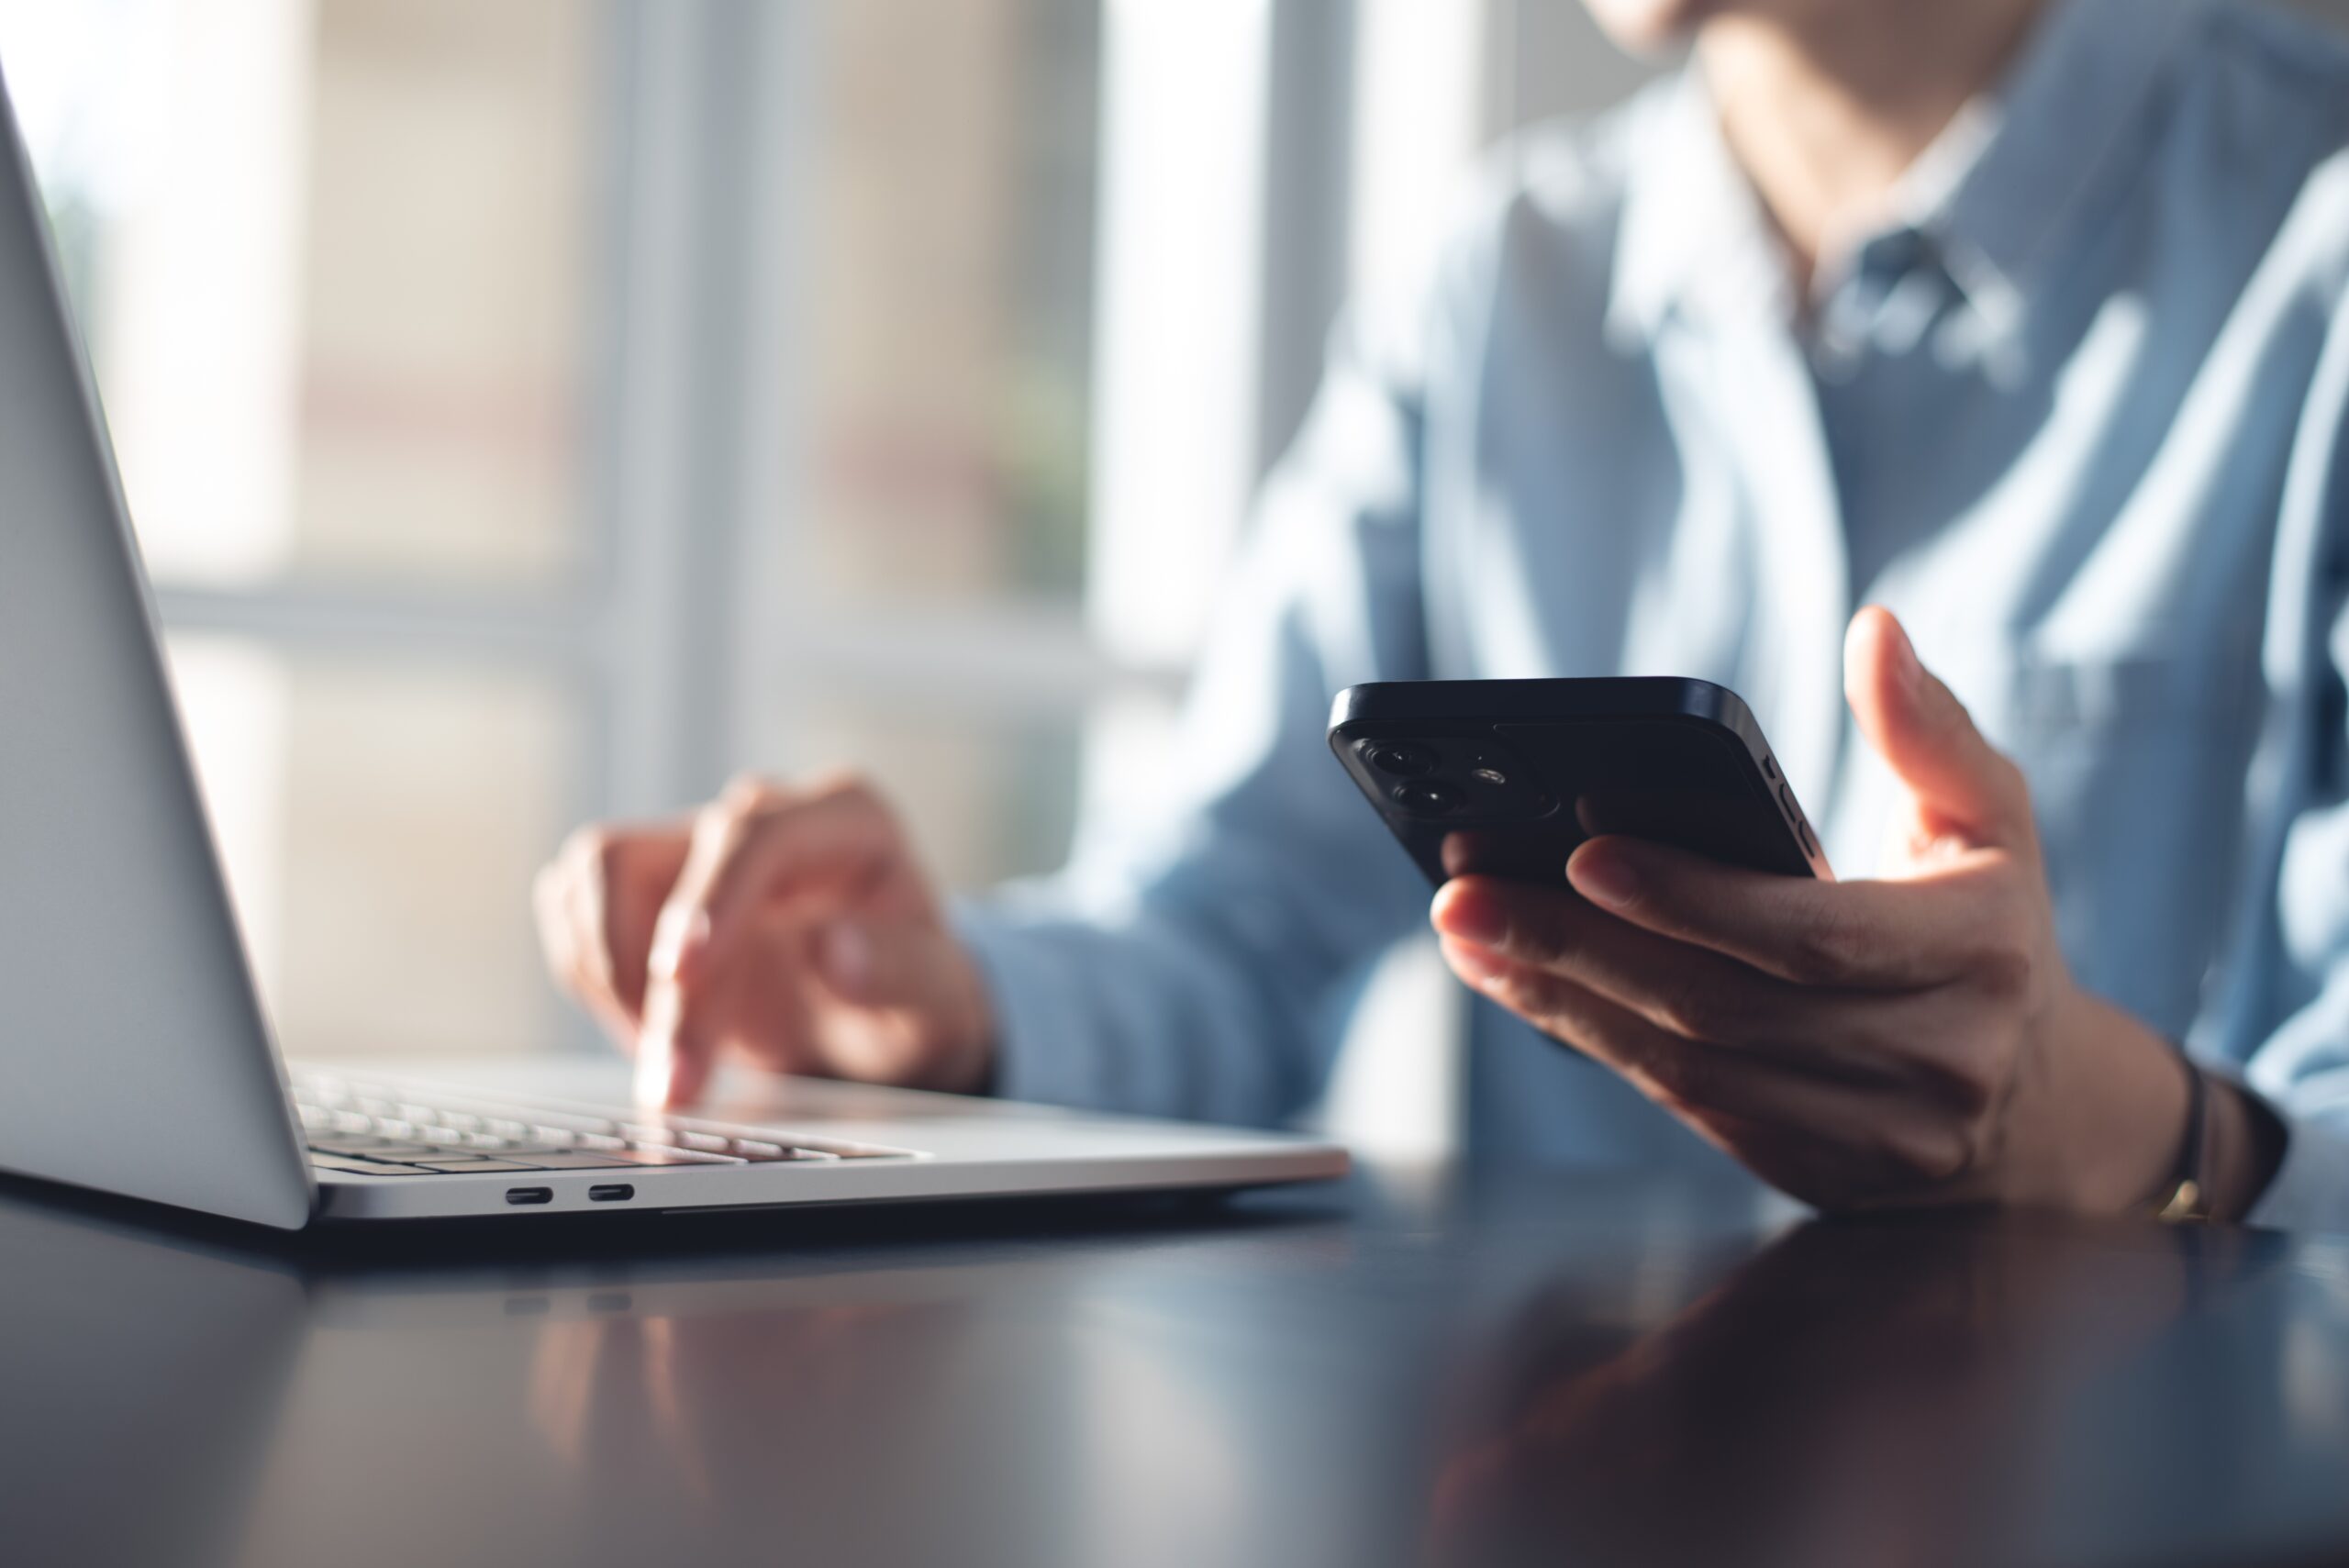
x,y
1961,782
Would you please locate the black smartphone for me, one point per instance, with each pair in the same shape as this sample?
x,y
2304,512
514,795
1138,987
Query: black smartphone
x,y
1505,778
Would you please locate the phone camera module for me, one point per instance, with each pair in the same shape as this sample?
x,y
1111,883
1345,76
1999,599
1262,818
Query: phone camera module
x,y
1429,797
1401,757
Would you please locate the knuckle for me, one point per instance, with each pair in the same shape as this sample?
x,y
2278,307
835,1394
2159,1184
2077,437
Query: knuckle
x,y
1934,1153
1539,933
723,825
608,860
582,851
1693,1010
1688,1076
834,783
1828,948
1533,941
1968,1092
2006,967
746,795
856,791
1961,1078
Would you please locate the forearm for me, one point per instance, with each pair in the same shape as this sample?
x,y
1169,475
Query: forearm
x,y
2127,1147
1138,1017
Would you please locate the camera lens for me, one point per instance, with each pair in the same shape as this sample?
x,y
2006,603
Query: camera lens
x,y
1428,798
1401,757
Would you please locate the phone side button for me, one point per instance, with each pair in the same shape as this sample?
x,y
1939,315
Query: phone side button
x,y
1770,768
1794,815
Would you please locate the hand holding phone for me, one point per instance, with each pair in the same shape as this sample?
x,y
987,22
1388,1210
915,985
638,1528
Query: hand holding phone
x,y
1914,1037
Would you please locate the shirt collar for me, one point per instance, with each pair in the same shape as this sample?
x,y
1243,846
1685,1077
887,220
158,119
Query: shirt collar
x,y
1994,193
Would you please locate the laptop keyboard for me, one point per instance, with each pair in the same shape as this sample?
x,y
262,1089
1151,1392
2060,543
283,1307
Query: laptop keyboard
x,y
379,1129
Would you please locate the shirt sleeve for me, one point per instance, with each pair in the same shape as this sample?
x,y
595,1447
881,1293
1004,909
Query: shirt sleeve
x,y
2292,1017
1189,964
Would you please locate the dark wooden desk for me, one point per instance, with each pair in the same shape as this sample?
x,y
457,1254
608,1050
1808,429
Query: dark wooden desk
x,y
1382,1371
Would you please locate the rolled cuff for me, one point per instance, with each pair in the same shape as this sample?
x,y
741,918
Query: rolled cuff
x,y
1038,1034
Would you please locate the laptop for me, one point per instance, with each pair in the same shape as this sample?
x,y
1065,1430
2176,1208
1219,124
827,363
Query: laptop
x,y
136,1056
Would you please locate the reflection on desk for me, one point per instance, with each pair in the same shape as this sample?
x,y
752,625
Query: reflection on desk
x,y
1522,1369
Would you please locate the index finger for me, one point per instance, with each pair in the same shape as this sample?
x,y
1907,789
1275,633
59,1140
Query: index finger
x,y
1862,935
754,843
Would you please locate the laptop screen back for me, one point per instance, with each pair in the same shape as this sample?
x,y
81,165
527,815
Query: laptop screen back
x,y
134,1057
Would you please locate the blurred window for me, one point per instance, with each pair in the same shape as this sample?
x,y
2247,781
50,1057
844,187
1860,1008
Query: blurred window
x,y
536,410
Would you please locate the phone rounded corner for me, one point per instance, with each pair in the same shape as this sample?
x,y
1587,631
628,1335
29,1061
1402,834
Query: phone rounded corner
x,y
1345,709
1700,698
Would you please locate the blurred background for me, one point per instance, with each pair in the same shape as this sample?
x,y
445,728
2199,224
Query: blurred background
x,y
539,410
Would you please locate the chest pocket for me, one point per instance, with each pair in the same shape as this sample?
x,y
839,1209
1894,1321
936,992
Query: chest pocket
x,y
2137,766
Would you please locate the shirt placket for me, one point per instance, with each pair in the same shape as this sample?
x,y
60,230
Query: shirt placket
x,y
1803,597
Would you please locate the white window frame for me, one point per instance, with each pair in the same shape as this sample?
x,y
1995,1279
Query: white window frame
x,y
688,630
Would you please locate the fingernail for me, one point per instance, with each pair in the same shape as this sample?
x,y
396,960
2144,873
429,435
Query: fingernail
x,y
847,958
1603,878
1471,917
655,1066
1907,668
677,941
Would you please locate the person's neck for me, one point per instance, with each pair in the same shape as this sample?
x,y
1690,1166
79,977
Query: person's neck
x,y
1825,113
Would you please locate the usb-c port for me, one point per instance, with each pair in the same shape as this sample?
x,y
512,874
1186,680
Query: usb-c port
x,y
529,1194
614,1191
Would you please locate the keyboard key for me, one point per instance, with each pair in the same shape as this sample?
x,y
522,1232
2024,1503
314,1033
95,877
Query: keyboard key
x,y
353,1148
394,1130
585,1160
657,1154
342,1167
393,1153
345,1143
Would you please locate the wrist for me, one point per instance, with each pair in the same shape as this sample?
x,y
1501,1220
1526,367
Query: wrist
x,y
2120,1110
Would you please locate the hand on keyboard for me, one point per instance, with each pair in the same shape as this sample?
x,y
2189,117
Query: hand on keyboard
x,y
793,925
361,1128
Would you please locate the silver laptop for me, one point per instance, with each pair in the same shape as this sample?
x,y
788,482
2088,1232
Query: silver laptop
x,y
135,1055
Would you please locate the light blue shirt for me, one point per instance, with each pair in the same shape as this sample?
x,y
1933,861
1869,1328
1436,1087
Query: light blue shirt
x,y
2078,417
